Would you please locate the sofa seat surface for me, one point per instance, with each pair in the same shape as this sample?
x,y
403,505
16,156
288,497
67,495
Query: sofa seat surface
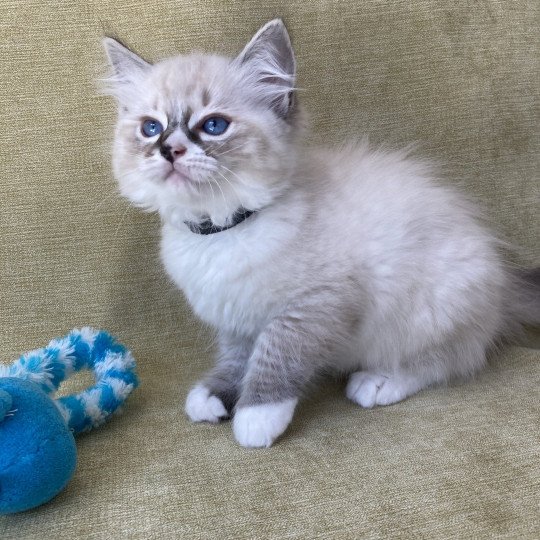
x,y
461,79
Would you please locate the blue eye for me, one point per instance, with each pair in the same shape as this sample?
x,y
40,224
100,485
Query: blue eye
x,y
215,125
151,128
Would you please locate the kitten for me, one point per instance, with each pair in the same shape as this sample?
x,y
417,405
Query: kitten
x,y
304,260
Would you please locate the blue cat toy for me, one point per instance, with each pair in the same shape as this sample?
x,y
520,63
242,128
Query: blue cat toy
x,y
37,447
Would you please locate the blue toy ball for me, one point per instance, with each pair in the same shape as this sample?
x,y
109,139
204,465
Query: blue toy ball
x,y
37,448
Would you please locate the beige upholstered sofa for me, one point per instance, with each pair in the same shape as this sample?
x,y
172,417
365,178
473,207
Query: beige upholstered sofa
x,y
460,78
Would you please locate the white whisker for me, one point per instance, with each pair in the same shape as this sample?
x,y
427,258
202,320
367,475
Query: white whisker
x,y
213,194
232,172
121,222
230,184
114,196
231,149
223,143
222,194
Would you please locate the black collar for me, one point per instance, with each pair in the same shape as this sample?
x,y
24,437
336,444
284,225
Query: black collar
x,y
208,227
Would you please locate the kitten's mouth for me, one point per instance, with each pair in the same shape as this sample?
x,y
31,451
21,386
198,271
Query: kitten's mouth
x,y
178,176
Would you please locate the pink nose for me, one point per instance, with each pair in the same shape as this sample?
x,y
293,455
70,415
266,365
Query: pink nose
x,y
178,151
172,153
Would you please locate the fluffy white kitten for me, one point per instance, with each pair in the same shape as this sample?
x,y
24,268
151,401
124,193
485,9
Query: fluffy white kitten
x,y
305,260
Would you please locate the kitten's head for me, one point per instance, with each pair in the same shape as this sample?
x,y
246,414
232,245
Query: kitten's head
x,y
204,135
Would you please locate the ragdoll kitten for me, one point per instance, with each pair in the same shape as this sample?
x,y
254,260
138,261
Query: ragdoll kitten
x,y
304,260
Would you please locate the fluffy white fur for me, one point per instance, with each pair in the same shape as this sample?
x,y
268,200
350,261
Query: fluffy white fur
x,y
201,406
357,260
258,426
370,389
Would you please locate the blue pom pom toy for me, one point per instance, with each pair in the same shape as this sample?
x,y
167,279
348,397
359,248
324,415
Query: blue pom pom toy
x,y
37,447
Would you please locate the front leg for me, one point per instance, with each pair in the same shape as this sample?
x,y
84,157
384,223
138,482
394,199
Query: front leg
x,y
213,398
286,357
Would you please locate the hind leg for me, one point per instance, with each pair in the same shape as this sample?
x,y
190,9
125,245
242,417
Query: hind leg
x,y
368,389
459,357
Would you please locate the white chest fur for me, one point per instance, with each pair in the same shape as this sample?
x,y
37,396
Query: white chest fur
x,y
227,277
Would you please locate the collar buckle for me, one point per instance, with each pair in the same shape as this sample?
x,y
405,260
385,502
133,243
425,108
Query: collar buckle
x,y
207,226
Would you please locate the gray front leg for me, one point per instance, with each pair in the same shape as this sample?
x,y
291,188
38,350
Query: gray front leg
x,y
286,357
213,398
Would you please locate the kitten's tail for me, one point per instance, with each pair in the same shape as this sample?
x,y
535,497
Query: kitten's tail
x,y
523,301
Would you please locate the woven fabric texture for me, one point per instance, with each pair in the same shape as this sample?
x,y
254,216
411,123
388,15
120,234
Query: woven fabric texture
x,y
462,79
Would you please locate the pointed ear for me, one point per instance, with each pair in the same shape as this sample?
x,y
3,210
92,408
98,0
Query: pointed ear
x,y
122,60
271,61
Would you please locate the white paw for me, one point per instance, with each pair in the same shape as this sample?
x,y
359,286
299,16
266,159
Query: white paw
x,y
203,407
370,389
260,425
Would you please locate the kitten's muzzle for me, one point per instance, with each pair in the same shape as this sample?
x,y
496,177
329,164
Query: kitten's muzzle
x,y
172,153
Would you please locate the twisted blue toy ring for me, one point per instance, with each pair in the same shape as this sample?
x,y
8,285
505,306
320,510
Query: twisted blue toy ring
x,y
112,364
38,455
